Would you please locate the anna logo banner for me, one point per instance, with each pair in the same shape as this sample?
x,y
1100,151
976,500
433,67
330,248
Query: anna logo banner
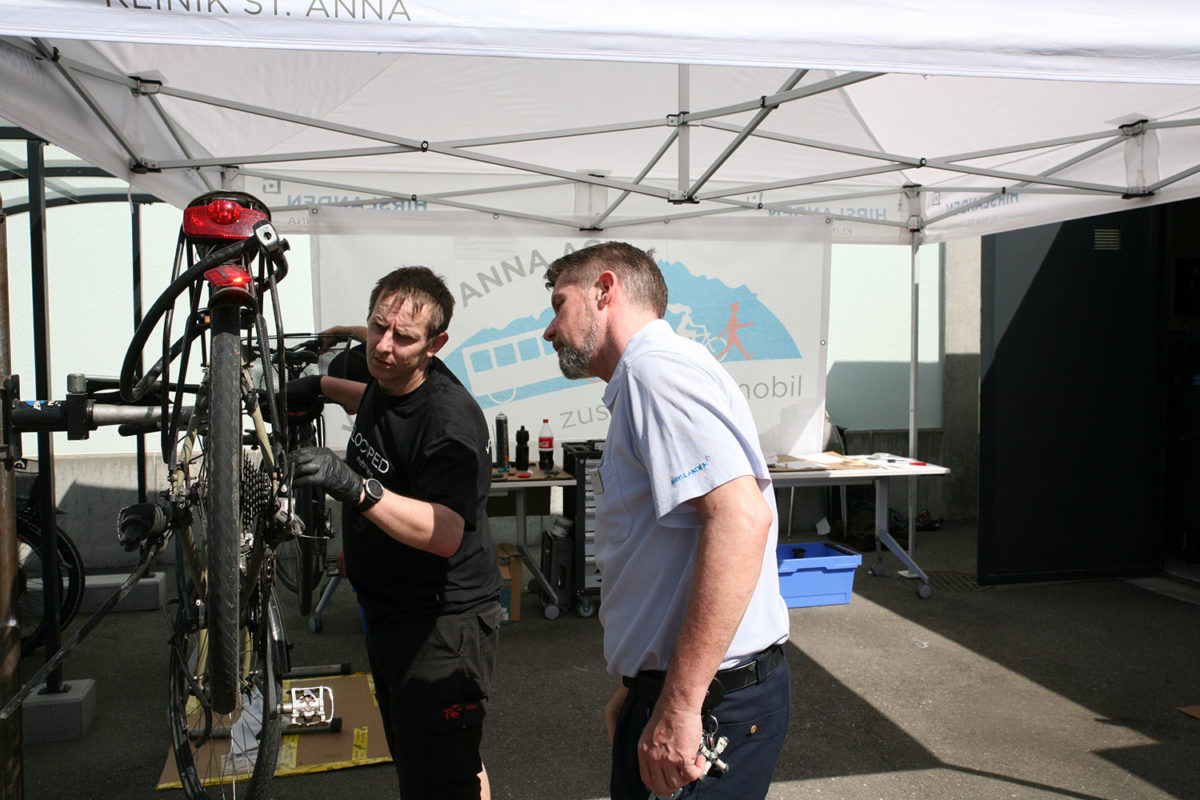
x,y
755,293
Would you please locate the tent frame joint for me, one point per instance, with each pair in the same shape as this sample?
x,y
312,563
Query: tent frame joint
x,y
1134,128
144,87
141,166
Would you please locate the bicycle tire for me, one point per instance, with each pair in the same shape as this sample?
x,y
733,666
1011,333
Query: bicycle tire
x,y
223,533
311,545
232,755
287,563
30,605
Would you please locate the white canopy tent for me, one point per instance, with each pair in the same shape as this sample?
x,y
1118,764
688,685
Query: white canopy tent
x,y
898,123
936,119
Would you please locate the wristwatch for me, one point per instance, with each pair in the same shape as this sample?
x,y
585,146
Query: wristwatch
x,y
372,494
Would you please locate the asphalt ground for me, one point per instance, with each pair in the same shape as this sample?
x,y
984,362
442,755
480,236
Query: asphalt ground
x,y
1050,690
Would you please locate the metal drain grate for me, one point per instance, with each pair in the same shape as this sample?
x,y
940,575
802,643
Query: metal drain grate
x,y
954,582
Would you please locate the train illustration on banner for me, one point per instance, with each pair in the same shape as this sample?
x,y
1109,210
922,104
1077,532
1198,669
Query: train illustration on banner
x,y
500,365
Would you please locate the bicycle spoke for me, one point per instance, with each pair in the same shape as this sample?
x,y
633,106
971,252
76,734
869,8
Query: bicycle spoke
x,y
234,754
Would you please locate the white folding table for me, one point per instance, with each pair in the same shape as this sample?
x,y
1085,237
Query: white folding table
x,y
830,470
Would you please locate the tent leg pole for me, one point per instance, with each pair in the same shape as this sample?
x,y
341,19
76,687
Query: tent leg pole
x,y
914,362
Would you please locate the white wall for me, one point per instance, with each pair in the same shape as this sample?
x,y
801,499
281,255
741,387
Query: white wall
x,y
90,289
869,337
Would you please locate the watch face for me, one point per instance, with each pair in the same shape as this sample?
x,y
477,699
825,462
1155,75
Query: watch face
x,y
372,494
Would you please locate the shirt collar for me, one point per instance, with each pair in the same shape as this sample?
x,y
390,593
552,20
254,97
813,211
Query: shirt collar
x,y
640,342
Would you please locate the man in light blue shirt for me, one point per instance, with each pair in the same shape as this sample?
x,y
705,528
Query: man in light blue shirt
x,y
685,539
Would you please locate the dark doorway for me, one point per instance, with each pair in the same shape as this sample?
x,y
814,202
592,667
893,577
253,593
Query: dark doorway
x,y
1073,399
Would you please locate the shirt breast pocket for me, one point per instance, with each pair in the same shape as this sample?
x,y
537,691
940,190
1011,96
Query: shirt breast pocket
x,y
613,521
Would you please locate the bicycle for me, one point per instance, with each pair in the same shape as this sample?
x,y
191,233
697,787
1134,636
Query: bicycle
x,y
225,505
300,562
30,582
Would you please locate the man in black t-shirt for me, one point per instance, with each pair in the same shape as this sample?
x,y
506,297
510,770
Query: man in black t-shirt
x,y
417,545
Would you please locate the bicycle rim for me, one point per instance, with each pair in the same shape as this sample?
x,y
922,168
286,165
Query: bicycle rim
x,y
224,524
235,754
30,600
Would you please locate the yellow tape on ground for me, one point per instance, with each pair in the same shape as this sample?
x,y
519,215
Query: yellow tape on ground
x,y
289,748
358,754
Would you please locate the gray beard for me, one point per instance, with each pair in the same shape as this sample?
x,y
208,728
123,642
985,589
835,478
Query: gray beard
x,y
577,363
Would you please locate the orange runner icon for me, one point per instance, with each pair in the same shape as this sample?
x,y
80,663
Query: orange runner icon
x,y
730,334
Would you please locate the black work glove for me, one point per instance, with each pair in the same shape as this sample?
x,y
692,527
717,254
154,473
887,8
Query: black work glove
x,y
320,466
304,393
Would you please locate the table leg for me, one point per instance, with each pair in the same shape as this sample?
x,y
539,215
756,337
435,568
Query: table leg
x,y
519,502
882,536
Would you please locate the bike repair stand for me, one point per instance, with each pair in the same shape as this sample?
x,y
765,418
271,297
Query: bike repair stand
x,y
57,711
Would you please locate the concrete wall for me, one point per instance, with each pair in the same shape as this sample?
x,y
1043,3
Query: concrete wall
x,y
960,377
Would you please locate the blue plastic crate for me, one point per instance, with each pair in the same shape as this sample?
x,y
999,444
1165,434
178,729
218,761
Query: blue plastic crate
x,y
816,573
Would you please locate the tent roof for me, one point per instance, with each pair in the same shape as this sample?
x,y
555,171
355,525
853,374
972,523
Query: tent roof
x,y
951,119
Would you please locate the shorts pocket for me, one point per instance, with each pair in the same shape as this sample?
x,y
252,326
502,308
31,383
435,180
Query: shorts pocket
x,y
460,715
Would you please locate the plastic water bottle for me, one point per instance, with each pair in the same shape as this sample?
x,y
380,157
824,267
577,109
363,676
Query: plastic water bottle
x,y
545,447
502,442
522,459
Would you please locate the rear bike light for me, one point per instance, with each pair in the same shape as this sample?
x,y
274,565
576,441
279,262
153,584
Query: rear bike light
x,y
222,218
227,275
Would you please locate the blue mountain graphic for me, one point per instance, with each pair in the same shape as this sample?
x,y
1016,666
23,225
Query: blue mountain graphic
x,y
500,365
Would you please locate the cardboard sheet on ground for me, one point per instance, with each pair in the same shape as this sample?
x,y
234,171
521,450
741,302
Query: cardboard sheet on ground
x,y
360,741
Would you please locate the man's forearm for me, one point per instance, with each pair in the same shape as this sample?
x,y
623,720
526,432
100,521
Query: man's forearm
x,y
728,563
431,527
346,393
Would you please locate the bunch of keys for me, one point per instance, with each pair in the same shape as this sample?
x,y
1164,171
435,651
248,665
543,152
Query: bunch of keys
x,y
711,747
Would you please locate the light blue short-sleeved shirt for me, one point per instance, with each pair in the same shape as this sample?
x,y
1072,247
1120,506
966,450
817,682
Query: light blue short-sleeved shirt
x,y
680,428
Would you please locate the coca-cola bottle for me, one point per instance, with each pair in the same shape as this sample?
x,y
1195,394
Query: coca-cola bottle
x,y
545,447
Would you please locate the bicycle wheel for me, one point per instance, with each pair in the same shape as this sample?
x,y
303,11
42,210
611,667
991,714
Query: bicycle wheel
x,y
287,563
310,545
223,527
300,565
235,754
30,600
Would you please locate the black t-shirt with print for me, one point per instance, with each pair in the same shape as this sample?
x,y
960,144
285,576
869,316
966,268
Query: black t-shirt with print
x,y
430,444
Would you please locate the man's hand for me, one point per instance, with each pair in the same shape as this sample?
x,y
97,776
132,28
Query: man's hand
x,y
320,466
669,750
305,392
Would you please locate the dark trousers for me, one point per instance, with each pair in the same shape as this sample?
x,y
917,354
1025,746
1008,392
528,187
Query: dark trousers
x,y
755,719
432,679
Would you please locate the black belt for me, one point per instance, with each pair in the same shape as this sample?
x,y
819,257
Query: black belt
x,y
647,684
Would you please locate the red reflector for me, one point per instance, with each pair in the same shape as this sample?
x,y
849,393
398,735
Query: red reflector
x,y
224,212
227,276
221,219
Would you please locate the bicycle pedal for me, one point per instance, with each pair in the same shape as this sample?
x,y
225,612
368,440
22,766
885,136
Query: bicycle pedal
x,y
309,706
